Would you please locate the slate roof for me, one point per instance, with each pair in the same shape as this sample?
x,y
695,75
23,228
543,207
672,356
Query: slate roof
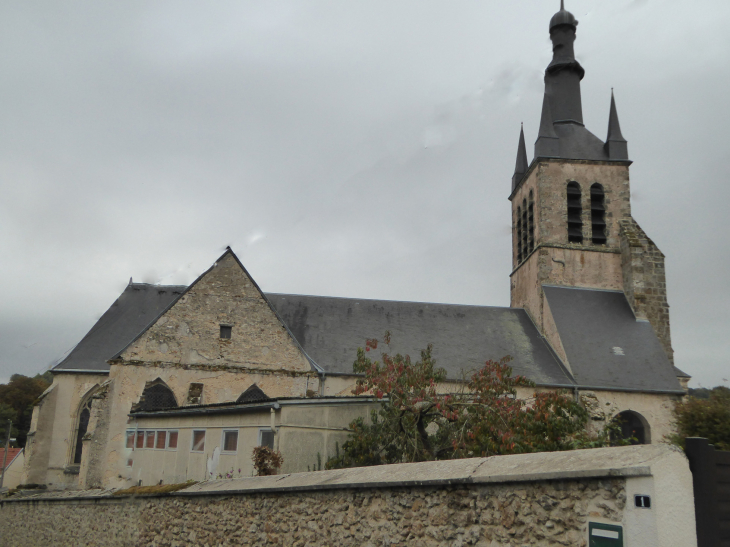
x,y
136,307
605,345
331,329
591,323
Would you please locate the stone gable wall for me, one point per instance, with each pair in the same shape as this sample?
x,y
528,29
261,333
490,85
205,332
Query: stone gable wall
x,y
189,332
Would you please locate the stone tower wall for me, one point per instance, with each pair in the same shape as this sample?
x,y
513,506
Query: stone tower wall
x,y
644,280
554,260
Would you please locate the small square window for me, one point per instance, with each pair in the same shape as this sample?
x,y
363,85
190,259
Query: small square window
x,y
226,332
198,441
150,440
161,439
140,440
130,439
230,441
266,438
130,462
172,439
195,394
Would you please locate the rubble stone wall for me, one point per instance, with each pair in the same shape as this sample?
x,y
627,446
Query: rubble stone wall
x,y
544,513
644,280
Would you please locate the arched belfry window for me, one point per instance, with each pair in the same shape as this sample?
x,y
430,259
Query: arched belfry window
x,y
518,223
575,211
631,426
598,215
82,424
530,224
156,396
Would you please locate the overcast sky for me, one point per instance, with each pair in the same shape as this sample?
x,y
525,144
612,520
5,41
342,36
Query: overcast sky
x,y
341,148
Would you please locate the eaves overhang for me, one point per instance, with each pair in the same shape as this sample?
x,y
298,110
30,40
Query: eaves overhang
x,y
239,408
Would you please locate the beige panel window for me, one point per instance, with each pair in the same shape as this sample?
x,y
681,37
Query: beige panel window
x,y
140,439
130,439
150,440
172,440
198,441
230,441
266,438
161,440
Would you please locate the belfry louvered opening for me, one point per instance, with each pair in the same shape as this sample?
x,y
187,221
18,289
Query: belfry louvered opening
x,y
525,248
598,215
530,224
520,254
575,210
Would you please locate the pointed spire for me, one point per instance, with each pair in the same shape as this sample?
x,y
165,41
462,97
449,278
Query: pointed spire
x,y
614,129
562,5
615,147
547,143
521,163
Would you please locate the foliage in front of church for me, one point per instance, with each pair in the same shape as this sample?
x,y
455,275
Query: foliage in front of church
x,y
705,415
486,418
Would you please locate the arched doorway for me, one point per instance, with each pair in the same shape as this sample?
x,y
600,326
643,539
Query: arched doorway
x,y
632,426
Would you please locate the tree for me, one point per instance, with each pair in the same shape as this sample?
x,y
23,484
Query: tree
x,y
708,417
417,423
266,461
19,395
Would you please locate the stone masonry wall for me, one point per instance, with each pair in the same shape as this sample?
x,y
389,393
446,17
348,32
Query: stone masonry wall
x,y
645,283
543,513
189,332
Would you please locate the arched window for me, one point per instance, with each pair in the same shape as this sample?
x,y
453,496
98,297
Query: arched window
x,y
518,223
530,224
156,396
575,210
253,394
82,424
632,427
82,427
598,215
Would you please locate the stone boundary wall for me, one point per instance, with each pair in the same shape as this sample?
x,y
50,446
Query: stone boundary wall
x,y
552,513
534,499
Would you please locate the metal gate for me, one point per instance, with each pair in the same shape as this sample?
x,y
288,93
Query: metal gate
x,y
711,477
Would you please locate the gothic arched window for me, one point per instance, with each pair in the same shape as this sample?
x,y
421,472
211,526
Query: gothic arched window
x,y
632,427
575,211
598,215
156,396
520,254
82,425
530,224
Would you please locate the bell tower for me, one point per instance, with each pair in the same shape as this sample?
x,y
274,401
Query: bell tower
x,y
571,208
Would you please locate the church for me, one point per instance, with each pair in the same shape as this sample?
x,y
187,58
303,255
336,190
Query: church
x,y
176,383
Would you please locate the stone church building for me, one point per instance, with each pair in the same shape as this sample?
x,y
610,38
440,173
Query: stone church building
x,y
176,383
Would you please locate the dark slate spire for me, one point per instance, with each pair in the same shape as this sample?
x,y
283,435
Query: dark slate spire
x,y
616,146
521,163
547,143
564,73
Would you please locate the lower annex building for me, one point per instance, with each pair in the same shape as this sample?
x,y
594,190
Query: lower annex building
x,y
176,383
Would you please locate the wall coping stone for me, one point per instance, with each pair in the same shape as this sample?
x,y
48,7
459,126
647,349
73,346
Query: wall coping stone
x,y
596,463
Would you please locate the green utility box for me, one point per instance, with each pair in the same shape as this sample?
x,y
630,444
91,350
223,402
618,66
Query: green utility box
x,y
605,535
